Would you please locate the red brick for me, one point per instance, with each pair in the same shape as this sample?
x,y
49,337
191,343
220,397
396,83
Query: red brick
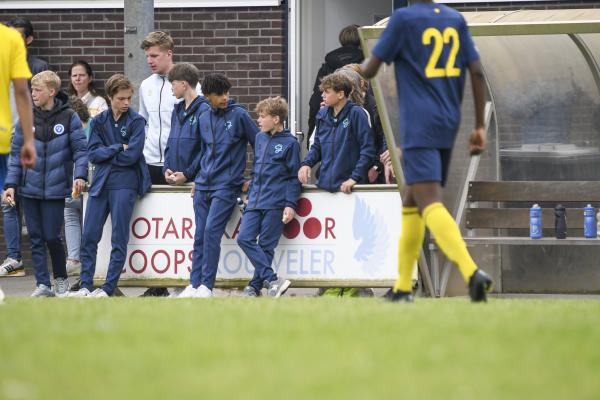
x,y
70,35
248,49
239,41
259,24
205,33
271,32
225,33
92,17
214,42
237,25
101,26
222,16
71,17
204,16
259,40
237,57
259,57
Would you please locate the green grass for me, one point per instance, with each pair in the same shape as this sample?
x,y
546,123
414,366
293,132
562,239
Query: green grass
x,y
298,348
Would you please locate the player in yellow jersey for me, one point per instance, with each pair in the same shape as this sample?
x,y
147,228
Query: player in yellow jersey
x,y
432,49
14,68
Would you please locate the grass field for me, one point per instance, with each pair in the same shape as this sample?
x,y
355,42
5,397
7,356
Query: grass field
x,y
298,348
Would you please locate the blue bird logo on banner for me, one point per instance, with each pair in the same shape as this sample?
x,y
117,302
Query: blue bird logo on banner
x,y
369,229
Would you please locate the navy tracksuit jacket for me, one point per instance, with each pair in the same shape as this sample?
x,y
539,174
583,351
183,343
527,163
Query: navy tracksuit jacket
x,y
182,153
119,177
275,185
61,154
225,137
344,145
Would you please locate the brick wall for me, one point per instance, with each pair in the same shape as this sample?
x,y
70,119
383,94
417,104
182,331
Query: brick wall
x,y
246,44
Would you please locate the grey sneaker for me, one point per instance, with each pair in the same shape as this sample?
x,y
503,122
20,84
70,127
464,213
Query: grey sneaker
x,y
277,288
61,287
42,291
249,291
12,267
73,267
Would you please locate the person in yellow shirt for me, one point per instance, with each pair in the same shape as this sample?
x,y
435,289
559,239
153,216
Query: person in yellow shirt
x,y
13,67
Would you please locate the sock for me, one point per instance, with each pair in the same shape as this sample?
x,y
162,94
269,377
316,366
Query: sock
x,y
409,248
448,238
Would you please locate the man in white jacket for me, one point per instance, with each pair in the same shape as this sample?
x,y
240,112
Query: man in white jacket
x,y
156,106
157,101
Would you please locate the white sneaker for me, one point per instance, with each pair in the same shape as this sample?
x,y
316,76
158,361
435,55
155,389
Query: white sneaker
x,y
98,293
1,296
42,291
188,292
61,287
203,292
83,292
73,268
12,267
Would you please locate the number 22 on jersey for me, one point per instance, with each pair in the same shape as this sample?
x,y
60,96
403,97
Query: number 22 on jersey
x,y
439,39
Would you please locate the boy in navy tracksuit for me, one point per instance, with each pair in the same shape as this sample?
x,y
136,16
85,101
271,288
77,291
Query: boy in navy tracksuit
x,y
343,141
226,130
272,198
115,147
182,154
61,145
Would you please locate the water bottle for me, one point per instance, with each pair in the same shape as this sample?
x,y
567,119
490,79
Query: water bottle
x,y
589,222
598,224
535,222
560,222
241,205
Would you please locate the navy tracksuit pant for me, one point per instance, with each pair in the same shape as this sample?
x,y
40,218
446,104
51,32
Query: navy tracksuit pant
x,y
119,203
212,209
265,225
45,219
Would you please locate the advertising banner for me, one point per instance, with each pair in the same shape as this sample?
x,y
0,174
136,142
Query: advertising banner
x,y
333,238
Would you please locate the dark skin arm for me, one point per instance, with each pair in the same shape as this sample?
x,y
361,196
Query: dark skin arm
x,y
24,109
477,141
370,66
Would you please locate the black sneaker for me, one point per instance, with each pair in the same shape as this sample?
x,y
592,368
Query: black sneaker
x,y
399,297
156,292
479,284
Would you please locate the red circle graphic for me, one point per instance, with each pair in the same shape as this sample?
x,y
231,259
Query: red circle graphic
x,y
304,207
312,228
292,229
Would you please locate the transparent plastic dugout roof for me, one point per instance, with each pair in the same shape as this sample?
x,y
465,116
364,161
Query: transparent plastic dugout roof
x,y
543,89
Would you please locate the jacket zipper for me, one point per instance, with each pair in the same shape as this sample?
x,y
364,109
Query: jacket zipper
x,y
332,153
179,138
261,171
45,162
212,153
160,120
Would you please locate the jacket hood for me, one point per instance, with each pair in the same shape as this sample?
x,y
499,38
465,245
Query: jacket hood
x,y
231,104
343,56
61,102
179,107
327,113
